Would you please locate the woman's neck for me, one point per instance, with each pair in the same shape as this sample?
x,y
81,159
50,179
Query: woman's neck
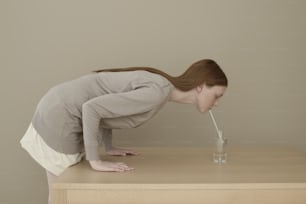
x,y
179,96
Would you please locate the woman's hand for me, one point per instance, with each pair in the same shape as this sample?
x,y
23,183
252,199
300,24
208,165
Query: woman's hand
x,y
121,152
99,165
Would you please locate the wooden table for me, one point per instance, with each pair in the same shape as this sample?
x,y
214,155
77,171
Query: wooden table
x,y
261,175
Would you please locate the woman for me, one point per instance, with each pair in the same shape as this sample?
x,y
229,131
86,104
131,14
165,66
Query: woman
x,y
76,116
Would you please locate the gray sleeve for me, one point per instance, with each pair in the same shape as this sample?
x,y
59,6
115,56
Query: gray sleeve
x,y
106,138
117,105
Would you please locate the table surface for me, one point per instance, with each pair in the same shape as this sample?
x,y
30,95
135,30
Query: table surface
x,y
192,167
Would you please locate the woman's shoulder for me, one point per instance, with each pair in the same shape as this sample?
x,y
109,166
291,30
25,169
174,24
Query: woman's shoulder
x,y
152,77
134,77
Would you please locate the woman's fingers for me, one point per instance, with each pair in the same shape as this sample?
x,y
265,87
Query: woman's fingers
x,y
120,166
131,152
110,166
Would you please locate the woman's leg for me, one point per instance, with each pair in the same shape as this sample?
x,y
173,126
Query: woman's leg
x,y
51,178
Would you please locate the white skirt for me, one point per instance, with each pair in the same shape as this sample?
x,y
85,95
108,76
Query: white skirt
x,y
53,161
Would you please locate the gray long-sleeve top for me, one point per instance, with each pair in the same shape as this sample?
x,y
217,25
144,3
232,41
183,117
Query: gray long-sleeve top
x,y
75,114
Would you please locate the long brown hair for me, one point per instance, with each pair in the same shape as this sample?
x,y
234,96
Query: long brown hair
x,y
204,71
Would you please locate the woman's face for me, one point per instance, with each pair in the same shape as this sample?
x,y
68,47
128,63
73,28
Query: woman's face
x,y
208,97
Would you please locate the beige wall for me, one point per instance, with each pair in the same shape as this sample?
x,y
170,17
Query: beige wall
x,y
261,45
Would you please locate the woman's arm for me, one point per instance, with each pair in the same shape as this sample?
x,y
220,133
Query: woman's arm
x,y
118,105
106,138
